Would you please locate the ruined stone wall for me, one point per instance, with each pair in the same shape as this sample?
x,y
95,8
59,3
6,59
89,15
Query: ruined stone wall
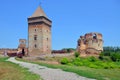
x,y
90,43
94,40
22,43
8,50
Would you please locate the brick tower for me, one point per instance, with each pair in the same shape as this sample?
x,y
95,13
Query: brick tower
x,y
22,45
39,33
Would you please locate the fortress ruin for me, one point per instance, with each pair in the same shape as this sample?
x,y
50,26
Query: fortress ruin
x,y
91,44
40,37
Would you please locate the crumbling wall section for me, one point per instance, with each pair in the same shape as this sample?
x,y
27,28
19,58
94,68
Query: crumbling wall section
x,y
90,44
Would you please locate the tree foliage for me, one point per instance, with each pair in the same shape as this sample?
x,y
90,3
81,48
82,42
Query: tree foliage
x,y
112,52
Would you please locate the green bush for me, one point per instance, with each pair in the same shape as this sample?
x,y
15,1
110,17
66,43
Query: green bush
x,y
70,64
93,65
115,56
91,62
64,61
105,66
86,62
101,56
107,59
76,54
76,59
117,64
78,63
92,59
112,65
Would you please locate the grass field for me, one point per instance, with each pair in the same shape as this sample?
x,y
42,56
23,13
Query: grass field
x,y
11,71
99,74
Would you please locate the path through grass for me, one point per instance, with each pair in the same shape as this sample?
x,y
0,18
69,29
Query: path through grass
x,y
11,71
99,74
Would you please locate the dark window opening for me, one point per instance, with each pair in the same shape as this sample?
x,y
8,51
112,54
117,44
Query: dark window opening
x,y
35,46
35,37
35,30
94,36
23,51
47,39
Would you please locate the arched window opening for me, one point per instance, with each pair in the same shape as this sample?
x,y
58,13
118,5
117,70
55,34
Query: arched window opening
x,y
35,37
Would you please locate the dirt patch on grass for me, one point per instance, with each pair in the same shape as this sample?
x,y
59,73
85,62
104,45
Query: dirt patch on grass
x,y
49,62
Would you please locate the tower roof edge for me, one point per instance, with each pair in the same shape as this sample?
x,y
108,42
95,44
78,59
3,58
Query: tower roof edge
x,y
39,12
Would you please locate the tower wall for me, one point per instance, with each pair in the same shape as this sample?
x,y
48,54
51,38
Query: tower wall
x,y
35,30
46,39
39,34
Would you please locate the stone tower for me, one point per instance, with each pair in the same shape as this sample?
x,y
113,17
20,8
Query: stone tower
x,y
22,44
39,33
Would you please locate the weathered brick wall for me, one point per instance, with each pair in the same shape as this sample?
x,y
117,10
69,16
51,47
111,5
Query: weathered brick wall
x,y
91,42
42,44
8,50
47,39
35,30
95,43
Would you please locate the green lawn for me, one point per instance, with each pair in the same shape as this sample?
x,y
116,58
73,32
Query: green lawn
x,y
99,74
11,71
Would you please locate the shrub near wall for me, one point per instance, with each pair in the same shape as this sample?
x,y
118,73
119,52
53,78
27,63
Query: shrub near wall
x,y
64,61
115,56
76,54
91,62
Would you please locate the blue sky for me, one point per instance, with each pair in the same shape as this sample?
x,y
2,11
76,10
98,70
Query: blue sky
x,y
71,18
